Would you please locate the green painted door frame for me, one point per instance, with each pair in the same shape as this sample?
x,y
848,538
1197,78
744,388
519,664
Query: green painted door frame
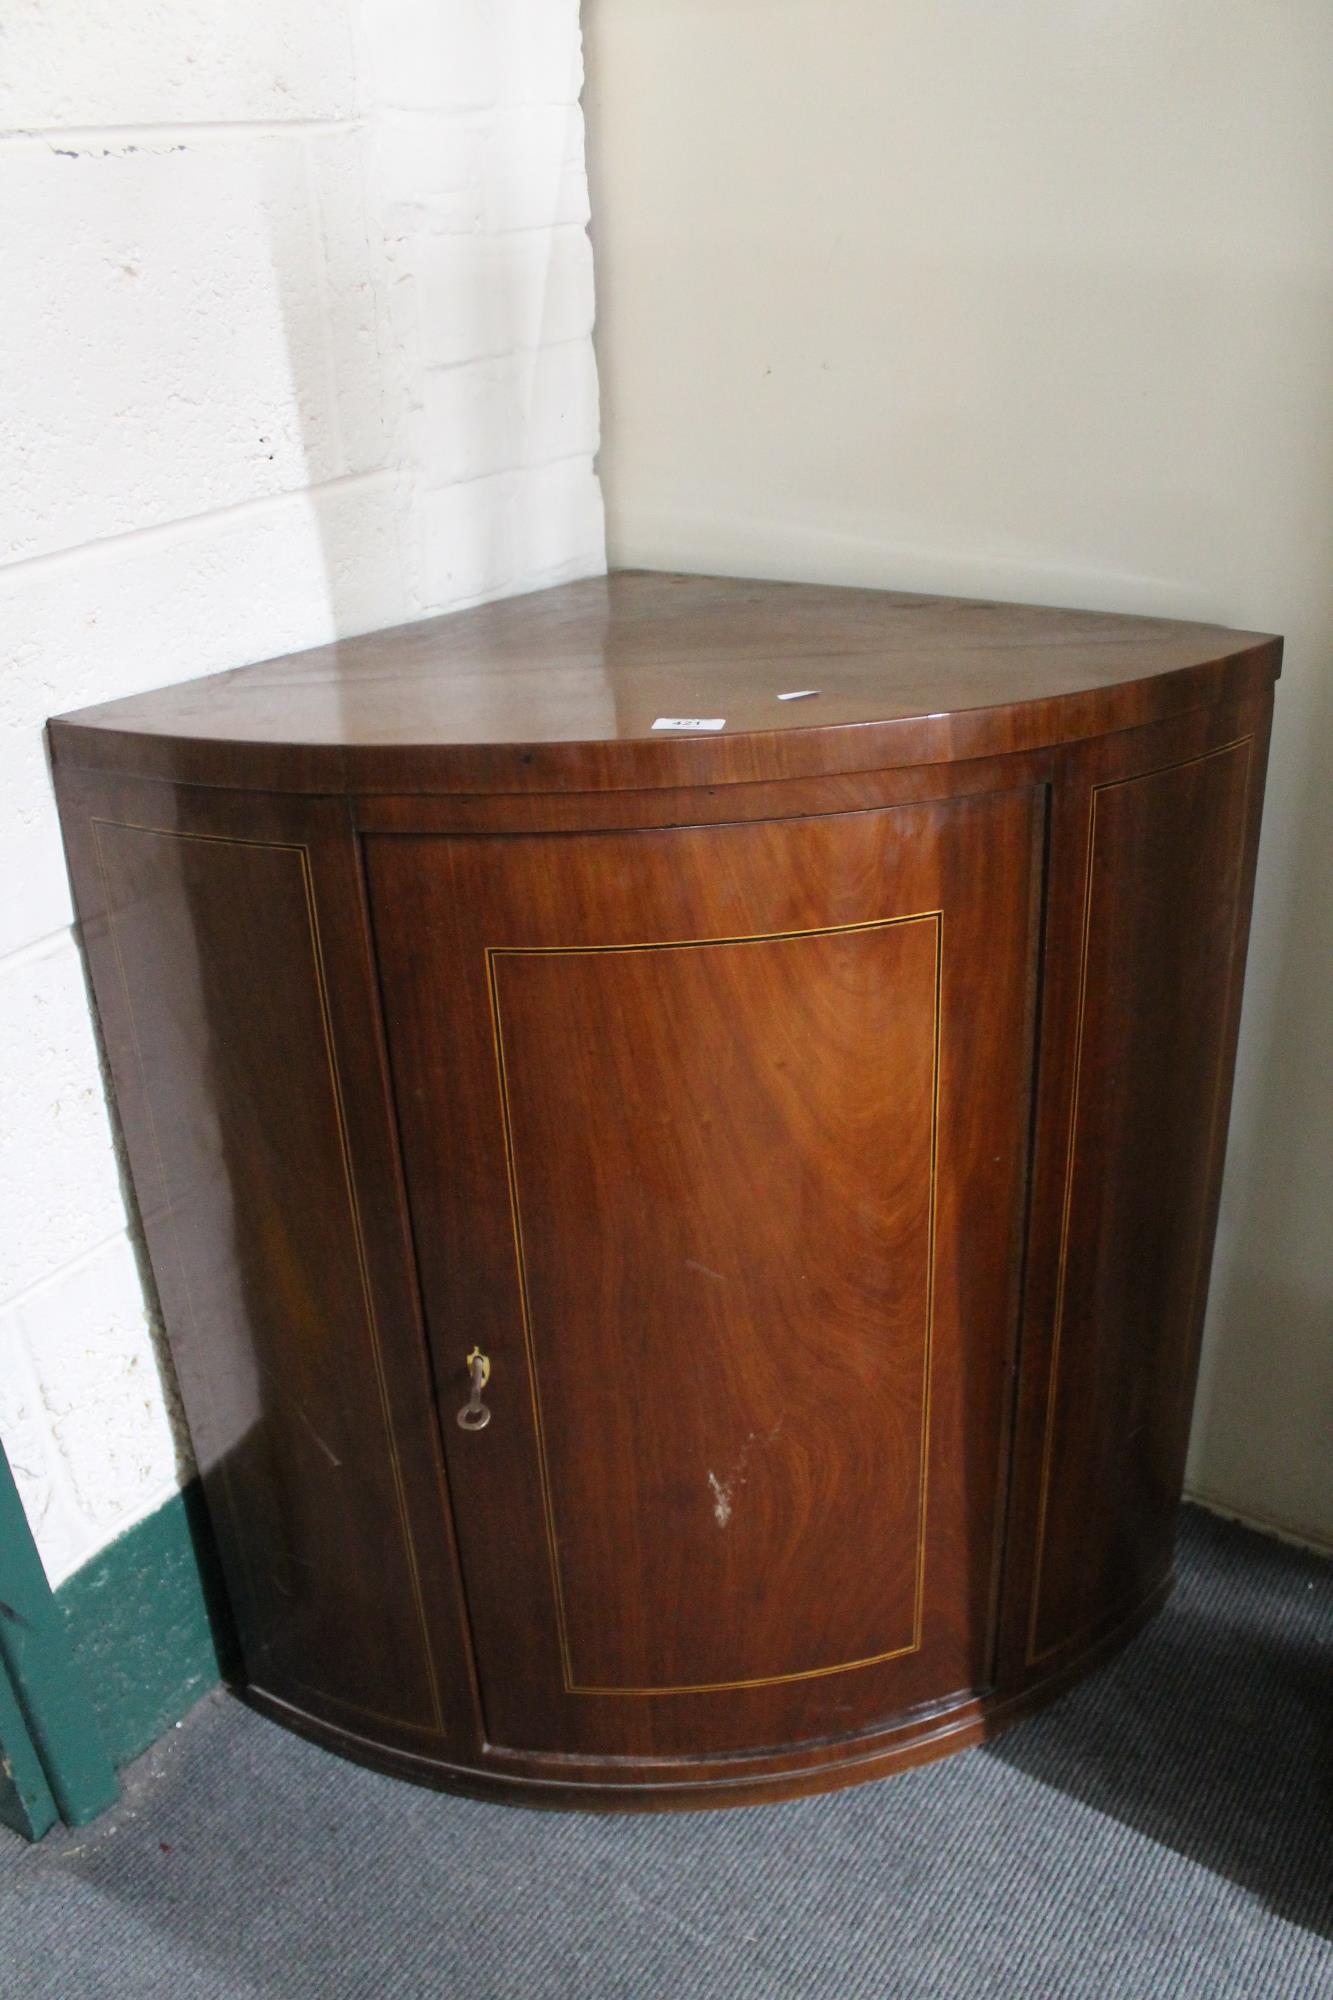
x,y
53,1761
26,1804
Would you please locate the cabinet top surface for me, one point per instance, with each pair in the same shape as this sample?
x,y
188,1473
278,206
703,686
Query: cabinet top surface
x,y
560,689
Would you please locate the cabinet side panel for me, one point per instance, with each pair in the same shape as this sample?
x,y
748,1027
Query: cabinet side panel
x,y
210,979
1164,912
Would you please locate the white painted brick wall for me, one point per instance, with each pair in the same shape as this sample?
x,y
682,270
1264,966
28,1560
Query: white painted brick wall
x,y
296,342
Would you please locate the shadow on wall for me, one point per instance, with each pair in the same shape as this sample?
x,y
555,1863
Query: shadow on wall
x,y
348,392
1250,1388
348,484
328,314
1213,1733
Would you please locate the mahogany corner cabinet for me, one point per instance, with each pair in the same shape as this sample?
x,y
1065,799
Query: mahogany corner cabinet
x,y
678,1124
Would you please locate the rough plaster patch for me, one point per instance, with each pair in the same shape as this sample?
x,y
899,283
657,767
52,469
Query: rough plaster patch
x,y
108,1404
33,1459
106,62
59,1181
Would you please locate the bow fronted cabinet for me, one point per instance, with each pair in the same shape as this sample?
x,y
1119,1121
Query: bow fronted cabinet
x,y
679,1123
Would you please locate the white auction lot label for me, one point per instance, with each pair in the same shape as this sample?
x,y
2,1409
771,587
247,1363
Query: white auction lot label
x,y
690,722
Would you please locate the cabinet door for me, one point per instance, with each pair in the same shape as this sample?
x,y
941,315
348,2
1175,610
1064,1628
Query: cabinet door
x,y
714,1140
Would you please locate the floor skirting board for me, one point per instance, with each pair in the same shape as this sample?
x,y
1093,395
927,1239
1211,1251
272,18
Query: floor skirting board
x,y
1263,1524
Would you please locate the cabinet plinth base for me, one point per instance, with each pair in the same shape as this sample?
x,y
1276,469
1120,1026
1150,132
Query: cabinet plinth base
x,y
763,1779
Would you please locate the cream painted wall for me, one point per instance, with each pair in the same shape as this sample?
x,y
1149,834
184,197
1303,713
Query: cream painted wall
x,y
1033,300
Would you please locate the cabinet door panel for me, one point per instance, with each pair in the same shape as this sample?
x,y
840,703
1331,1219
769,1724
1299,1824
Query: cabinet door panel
x,y
691,1120
1167,860
699,1149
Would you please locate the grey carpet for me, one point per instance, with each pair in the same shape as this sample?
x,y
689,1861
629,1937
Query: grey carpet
x,y
1163,1833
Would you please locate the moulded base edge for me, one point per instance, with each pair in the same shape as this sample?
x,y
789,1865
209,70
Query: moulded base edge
x,y
732,1780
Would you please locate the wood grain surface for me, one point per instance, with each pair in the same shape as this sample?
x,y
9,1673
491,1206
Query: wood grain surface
x,y
818,1125
734,1132
560,690
1162,914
